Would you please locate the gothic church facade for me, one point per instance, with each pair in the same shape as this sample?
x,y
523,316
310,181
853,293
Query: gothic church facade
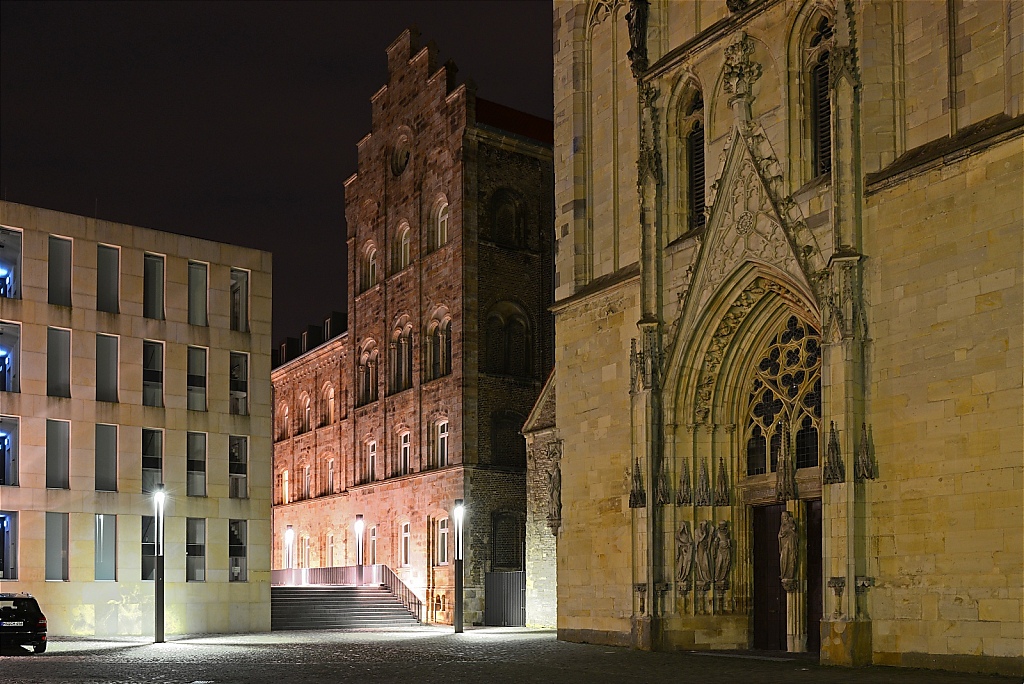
x,y
787,385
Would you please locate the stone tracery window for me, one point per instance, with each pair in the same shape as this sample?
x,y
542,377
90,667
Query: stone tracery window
x,y
439,225
819,104
693,128
785,390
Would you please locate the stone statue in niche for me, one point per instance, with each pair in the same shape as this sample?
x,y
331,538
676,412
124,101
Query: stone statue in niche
x,y
636,20
684,556
788,551
705,558
723,554
555,494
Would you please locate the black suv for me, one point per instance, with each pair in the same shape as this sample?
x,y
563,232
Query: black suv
x,y
22,622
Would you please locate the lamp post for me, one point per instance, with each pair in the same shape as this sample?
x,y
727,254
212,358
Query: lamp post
x,y
458,513
159,499
359,527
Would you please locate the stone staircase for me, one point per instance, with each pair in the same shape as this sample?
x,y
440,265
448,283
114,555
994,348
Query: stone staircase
x,y
337,607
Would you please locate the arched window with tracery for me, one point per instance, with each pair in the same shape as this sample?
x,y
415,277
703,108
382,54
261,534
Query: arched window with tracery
x,y
785,400
282,425
508,342
439,225
693,129
402,251
305,418
327,406
507,219
438,343
400,357
368,268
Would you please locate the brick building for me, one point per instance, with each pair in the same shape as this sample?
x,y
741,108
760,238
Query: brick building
x,y
789,292
420,400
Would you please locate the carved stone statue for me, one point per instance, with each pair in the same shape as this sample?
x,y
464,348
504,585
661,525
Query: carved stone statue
x,y
636,20
705,561
684,554
723,553
555,493
787,548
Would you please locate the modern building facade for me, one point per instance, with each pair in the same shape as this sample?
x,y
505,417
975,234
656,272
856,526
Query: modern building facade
x,y
421,399
133,358
788,311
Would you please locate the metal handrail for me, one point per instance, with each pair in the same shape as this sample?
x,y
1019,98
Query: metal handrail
x,y
397,587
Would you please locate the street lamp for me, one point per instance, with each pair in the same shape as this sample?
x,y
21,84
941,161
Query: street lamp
x,y
458,513
359,527
159,498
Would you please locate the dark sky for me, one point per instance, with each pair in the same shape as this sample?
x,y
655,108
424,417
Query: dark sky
x,y
233,121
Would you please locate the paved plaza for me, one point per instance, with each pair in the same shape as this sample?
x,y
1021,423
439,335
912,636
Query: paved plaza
x,y
422,654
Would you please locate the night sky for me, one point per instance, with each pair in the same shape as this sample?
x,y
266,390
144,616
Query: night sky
x,y
236,121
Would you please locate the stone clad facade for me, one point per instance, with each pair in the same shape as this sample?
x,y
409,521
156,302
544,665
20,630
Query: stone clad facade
x,y
789,322
87,432
448,341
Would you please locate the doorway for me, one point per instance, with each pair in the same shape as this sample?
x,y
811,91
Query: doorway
x,y
769,598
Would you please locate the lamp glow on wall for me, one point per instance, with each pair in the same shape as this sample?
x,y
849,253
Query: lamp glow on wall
x,y
289,546
159,500
458,513
359,526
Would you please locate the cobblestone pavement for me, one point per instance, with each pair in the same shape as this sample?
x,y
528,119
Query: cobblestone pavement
x,y
424,654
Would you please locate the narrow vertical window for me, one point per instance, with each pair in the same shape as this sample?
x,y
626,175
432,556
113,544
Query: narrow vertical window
x,y
58,449
59,272
195,549
153,287
9,445
442,541
373,545
371,461
238,467
58,362
57,546
196,463
239,390
285,493
238,542
196,379
106,547
405,544
330,550
442,225
306,482
148,547
106,368
10,264
197,292
442,444
10,357
106,458
695,175
8,545
152,459
152,373
239,300
330,477
405,454
108,275
821,117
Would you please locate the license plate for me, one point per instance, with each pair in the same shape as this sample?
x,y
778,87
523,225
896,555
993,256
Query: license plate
x,y
10,623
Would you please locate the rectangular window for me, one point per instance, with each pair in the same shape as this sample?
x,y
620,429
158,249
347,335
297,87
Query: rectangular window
x,y
442,541
305,482
149,547
10,357
58,447
237,550
152,459
59,272
108,274
197,293
373,545
238,467
405,544
196,379
8,545
371,461
106,547
330,550
106,368
153,287
196,448
330,477
9,429
152,373
405,453
442,444
239,390
285,494
195,549
57,546
239,300
106,458
10,264
58,362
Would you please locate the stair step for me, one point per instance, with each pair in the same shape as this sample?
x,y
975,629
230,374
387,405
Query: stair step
x,y
340,607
